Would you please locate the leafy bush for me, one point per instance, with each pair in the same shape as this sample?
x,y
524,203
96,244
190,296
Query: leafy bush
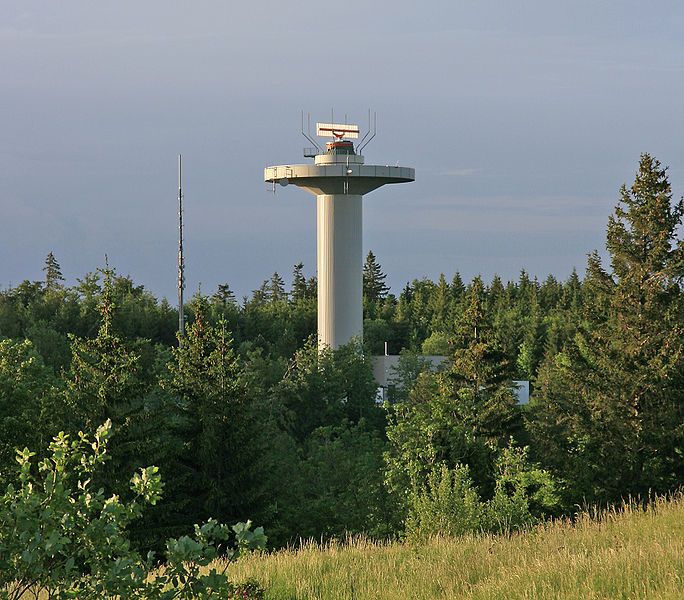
x,y
436,344
524,493
447,503
60,535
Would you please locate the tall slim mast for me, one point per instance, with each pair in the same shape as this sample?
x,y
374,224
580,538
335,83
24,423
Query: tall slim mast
x,y
181,263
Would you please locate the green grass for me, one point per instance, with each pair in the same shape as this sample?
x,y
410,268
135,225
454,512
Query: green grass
x,y
618,554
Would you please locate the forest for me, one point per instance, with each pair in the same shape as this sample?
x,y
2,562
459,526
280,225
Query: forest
x,y
245,419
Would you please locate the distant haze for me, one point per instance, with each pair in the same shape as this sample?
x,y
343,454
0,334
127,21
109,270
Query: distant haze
x,y
522,120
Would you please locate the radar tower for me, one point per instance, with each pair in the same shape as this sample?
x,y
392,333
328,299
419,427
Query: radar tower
x,y
339,178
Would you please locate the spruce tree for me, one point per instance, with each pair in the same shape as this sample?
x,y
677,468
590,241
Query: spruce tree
x,y
480,375
104,374
299,286
458,416
643,340
224,294
610,414
533,339
276,288
107,381
53,273
261,295
208,381
440,305
457,287
374,287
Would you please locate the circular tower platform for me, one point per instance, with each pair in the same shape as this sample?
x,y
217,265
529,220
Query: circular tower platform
x,y
338,174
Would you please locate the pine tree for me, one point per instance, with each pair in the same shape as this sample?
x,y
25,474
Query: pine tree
x,y
263,294
374,287
457,287
459,416
571,297
312,287
533,339
224,294
299,287
549,293
276,288
611,410
496,295
644,336
104,372
440,305
480,375
106,381
53,273
213,406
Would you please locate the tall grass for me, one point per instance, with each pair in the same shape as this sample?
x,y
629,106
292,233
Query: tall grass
x,y
629,553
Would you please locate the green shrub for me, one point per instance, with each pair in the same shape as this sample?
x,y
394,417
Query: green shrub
x,y
447,503
61,536
524,493
437,344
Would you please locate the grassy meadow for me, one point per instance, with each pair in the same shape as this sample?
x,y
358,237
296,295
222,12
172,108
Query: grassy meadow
x,y
628,554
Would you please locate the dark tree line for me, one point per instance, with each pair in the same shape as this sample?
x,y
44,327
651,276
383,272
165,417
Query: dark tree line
x,y
246,419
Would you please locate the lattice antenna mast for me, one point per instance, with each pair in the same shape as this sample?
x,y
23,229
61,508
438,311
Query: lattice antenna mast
x,y
181,261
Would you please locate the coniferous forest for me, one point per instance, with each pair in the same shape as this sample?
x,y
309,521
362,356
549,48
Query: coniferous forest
x,y
246,419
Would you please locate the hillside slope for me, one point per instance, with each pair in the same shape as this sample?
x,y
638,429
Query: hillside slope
x,y
628,554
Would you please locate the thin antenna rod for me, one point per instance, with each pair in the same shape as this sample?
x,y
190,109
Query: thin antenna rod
x,y
308,135
181,262
375,130
368,132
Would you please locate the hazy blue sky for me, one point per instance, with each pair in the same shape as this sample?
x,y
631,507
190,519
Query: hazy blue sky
x,y
522,120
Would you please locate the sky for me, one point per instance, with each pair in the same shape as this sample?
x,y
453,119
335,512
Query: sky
x,y
522,120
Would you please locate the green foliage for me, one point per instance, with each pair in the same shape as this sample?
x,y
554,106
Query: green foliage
x,y
524,492
403,377
104,372
343,487
610,408
427,430
61,535
458,416
374,286
375,333
52,345
251,419
214,421
29,398
107,381
53,273
436,345
447,503
325,388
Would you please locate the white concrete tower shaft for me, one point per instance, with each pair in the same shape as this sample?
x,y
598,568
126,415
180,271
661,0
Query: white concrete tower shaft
x,y
340,276
339,179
